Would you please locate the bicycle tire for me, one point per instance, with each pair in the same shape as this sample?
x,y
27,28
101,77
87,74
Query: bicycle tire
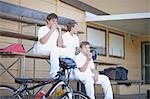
x,y
75,95
9,92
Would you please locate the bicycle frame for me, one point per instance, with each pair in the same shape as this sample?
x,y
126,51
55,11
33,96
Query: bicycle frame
x,y
61,81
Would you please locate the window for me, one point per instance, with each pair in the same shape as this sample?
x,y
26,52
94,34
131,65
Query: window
x,y
97,39
116,45
146,62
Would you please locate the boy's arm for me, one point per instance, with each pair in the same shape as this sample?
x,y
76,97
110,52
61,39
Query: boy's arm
x,y
45,38
89,57
78,45
60,39
84,67
64,40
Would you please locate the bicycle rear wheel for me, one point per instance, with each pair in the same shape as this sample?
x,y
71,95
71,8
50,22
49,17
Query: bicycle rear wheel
x,y
75,95
8,92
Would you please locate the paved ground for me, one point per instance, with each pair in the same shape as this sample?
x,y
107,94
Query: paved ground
x,y
125,97
97,97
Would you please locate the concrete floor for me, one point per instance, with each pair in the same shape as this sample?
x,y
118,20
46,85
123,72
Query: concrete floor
x,y
142,96
97,97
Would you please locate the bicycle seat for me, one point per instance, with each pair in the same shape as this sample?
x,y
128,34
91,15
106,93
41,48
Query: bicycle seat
x,y
23,80
32,80
67,63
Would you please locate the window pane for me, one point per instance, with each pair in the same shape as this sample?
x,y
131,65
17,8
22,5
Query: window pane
x,y
147,75
147,54
116,45
96,38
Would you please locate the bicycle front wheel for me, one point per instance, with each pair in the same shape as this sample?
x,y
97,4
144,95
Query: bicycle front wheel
x,y
8,92
75,95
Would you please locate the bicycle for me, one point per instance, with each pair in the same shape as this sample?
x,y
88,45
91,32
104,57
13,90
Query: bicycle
x,y
62,81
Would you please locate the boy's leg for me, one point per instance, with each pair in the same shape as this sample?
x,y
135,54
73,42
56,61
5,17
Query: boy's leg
x,y
104,81
43,52
64,52
54,59
89,86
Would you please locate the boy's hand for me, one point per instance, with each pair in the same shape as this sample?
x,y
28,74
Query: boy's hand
x,y
54,26
89,56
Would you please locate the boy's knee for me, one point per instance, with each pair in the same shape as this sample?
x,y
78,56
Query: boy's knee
x,y
89,80
106,78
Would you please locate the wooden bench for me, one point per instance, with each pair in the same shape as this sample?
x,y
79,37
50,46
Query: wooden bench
x,y
117,83
100,62
127,83
18,35
16,54
23,36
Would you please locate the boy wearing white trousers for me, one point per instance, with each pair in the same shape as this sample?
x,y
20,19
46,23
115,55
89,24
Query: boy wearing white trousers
x,y
86,73
50,43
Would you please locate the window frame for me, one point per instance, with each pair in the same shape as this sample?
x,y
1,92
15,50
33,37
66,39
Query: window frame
x,y
118,34
105,31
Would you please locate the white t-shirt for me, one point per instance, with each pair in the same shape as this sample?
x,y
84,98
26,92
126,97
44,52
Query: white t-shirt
x,y
52,41
80,60
70,41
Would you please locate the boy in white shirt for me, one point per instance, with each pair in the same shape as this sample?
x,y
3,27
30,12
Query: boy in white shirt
x,y
71,40
86,73
50,43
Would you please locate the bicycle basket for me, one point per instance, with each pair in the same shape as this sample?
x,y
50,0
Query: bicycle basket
x,y
67,63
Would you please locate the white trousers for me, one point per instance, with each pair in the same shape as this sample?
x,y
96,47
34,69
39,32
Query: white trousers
x,y
103,80
55,53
